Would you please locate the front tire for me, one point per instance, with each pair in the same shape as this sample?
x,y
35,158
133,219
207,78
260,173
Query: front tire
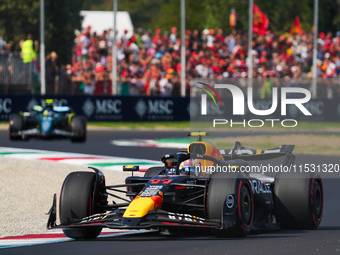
x,y
16,124
298,200
76,202
78,125
236,187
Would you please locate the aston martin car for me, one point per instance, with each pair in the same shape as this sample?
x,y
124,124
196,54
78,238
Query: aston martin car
x,y
47,122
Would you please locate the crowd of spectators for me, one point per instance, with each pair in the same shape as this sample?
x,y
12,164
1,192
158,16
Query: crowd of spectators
x,y
148,62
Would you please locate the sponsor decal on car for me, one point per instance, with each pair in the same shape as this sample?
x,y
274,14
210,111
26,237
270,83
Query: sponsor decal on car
x,y
185,217
151,191
258,187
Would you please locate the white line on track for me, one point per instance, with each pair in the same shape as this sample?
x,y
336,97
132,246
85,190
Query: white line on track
x,y
107,162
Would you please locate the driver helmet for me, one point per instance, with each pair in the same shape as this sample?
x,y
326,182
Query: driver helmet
x,y
190,166
45,113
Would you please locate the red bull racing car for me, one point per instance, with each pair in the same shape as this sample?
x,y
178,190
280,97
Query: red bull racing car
x,y
197,188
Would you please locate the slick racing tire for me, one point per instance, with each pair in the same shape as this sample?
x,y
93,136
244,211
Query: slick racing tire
x,y
76,202
16,124
298,200
78,124
230,191
153,171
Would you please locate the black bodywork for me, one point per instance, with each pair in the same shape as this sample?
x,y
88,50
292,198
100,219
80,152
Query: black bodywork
x,y
53,123
187,201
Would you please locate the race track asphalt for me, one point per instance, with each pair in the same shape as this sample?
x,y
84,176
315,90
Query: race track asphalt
x,y
324,240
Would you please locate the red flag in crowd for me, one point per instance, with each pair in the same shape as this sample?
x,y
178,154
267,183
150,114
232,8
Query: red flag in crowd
x,y
261,22
296,27
232,18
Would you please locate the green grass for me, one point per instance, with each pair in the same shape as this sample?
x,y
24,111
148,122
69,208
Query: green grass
x,y
133,125
186,125
305,144
302,126
318,125
143,125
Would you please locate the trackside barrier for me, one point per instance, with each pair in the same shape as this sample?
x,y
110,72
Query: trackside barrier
x,y
105,108
135,109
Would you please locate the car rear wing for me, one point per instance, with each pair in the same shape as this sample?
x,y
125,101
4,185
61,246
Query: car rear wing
x,y
199,134
247,153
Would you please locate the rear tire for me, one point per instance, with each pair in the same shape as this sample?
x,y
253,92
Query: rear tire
x,y
78,124
76,202
223,185
16,124
298,200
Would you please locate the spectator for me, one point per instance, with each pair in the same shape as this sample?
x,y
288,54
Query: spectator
x,y
138,36
150,65
52,70
29,49
88,79
3,45
173,35
125,38
85,43
146,39
76,78
211,37
65,79
205,35
219,35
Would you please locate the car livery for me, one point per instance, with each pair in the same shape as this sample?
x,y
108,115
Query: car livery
x,y
180,195
47,122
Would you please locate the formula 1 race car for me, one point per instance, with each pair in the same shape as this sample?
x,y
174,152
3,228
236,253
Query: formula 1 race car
x,y
47,122
189,192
